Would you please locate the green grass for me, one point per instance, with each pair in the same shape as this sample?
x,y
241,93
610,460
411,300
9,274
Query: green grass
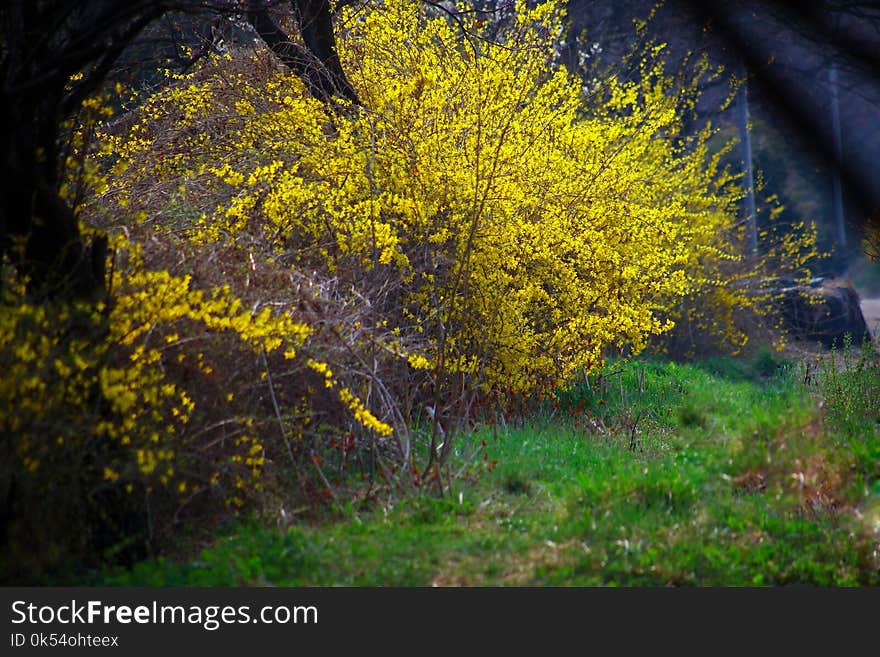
x,y
724,473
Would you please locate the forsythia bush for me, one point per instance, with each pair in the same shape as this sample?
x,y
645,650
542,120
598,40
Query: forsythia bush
x,y
515,227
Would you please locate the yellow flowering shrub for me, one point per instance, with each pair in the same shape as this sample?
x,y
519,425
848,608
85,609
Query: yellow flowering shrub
x,y
500,225
518,227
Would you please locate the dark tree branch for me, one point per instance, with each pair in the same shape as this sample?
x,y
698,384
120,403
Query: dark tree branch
x,y
96,76
317,64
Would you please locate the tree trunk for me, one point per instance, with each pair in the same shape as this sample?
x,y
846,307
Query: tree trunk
x,y
316,26
317,64
39,232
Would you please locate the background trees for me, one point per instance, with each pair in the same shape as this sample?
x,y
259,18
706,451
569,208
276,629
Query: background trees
x,y
788,51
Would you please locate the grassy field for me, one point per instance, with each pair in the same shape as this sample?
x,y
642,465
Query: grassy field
x,y
757,472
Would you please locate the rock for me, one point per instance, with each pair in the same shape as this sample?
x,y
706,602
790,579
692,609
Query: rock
x,y
824,311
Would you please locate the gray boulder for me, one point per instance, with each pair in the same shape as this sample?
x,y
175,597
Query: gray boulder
x,y
824,311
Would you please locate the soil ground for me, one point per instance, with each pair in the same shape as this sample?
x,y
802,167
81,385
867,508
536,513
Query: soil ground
x,y
871,311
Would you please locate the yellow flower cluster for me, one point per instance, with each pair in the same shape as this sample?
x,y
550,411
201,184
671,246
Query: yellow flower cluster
x,y
363,416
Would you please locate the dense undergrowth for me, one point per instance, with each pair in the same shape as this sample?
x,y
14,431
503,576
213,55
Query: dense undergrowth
x,y
723,472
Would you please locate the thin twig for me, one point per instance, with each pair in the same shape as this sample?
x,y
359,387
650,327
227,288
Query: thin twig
x,y
277,408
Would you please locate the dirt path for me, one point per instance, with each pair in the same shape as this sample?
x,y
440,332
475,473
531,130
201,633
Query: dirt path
x,y
871,311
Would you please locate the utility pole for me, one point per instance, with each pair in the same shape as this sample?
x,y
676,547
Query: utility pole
x,y
748,173
837,146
